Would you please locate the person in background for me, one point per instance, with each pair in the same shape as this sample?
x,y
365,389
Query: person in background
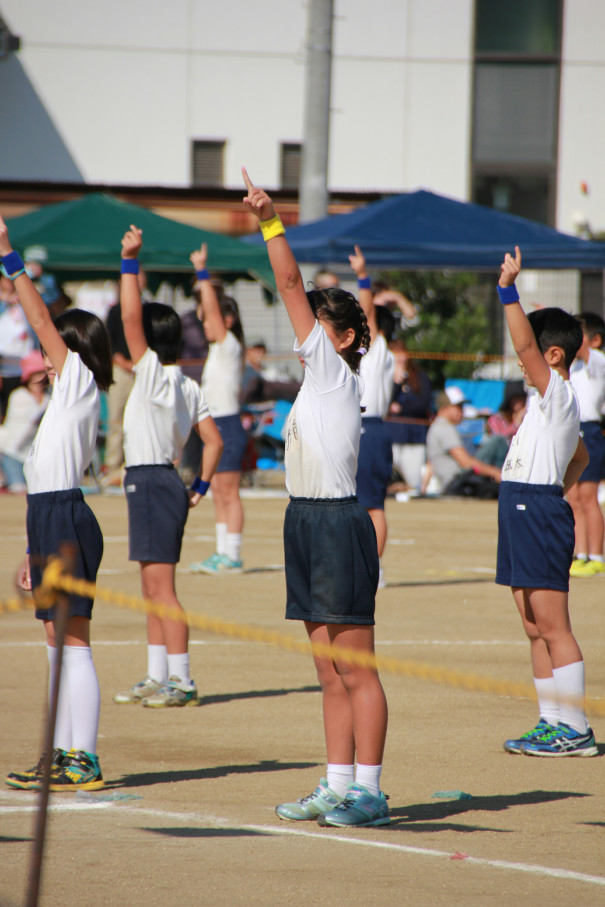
x,y
16,340
409,414
26,406
501,428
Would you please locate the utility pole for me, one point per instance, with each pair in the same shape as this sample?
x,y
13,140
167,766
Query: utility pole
x,y
316,129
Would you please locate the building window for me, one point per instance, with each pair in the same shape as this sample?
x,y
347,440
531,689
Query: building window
x,y
518,62
207,163
289,165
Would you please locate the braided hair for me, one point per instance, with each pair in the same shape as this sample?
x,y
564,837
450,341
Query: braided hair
x,y
342,311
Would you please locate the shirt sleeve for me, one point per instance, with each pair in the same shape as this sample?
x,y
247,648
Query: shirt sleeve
x,y
150,375
75,382
324,368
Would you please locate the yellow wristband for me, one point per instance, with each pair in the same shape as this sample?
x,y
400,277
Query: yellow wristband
x,y
272,227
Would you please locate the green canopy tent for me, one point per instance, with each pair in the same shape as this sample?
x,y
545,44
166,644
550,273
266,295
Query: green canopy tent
x,y
82,239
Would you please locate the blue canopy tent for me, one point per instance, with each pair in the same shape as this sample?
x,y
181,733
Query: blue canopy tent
x,y
422,230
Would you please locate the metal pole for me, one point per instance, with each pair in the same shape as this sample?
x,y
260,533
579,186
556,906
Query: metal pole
x,y
61,616
316,130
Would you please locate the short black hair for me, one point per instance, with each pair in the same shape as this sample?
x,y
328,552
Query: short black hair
x,y
385,321
554,327
85,334
163,331
592,325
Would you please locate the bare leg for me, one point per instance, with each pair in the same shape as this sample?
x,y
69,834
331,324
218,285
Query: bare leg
x,y
593,516
337,712
157,581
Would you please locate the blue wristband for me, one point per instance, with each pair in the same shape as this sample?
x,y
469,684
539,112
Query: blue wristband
x,y
364,283
12,263
508,294
200,486
203,275
130,266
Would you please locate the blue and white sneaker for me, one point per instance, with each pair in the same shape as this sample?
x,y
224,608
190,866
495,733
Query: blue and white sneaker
x,y
514,745
561,740
172,694
320,802
359,809
221,566
206,566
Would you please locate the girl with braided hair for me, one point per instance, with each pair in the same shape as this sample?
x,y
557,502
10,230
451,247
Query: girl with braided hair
x,y
330,546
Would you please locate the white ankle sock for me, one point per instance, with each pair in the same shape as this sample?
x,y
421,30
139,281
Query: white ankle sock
x,y
569,681
157,663
340,777
62,736
548,704
84,695
221,538
178,666
597,557
233,545
369,776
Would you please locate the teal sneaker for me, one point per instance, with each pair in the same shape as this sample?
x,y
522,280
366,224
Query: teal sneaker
x,y
219,565
172,693
514,745
562,740
79,770
26,780
207,566
359,809
321,801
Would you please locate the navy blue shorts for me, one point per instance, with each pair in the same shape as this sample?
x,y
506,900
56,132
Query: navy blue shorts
x,y
235,440
592,436
535,537
55,518
158,506
331,561
375,463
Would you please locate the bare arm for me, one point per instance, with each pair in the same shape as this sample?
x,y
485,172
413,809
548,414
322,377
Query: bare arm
x,y
522,335
130,298
464,459
366,301
213,449
36,311
407,308
287,274
210,308
576,466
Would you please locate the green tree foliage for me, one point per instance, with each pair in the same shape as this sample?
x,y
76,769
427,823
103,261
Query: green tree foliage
x,y
454,314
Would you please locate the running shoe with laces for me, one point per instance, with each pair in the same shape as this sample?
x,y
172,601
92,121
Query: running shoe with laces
x,y
26,780
514,745
78,771
321,801
139,691
561,740
359,809
172,693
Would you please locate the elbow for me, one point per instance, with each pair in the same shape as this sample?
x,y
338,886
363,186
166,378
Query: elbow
x,y
290,279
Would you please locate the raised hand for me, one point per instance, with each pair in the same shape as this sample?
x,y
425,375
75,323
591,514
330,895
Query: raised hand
x,y
358,263
199,258
257,199
132,242
510,267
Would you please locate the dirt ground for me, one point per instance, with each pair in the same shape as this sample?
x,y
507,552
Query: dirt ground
x,y
202,829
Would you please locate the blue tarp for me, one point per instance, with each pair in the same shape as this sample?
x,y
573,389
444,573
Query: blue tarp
x,y
422,230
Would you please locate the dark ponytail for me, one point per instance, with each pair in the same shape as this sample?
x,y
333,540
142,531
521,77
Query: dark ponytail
x,y
343,311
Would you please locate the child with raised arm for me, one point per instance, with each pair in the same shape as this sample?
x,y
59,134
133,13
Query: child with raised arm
x,y
587,377
535,523
77,360
329,540
162,409
221,385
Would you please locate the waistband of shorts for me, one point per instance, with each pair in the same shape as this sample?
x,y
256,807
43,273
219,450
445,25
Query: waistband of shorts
x,y
371,420
335,502
150,466
529,488
55,497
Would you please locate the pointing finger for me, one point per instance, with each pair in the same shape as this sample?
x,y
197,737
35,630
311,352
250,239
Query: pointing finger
x,y
518,255
247,180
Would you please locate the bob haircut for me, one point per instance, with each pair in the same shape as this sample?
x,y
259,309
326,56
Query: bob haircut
x,y
163,331
85,334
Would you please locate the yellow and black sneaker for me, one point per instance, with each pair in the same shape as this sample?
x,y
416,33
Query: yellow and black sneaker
x,y
29,779
78,771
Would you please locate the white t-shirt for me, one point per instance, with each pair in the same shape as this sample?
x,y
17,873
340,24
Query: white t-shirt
x,y
547,438
222,376
588,382
324,424
23,416
376,372
162,408
65,442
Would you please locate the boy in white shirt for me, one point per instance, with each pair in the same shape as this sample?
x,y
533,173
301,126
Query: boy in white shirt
x,y
535,523
162,409
587,376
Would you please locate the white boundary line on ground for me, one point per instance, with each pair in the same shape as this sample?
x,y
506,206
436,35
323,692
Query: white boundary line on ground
x,y
216,822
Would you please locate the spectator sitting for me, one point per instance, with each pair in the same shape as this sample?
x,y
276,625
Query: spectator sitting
x,y
456,470
256,386
26,406
501,427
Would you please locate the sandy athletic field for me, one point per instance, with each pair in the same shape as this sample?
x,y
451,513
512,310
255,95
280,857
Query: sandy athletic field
x,y
204,831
